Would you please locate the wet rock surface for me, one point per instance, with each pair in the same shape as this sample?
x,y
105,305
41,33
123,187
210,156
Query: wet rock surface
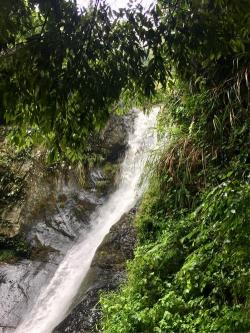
x,y
18,285
56,212
55,227
57,231
44,185
107,272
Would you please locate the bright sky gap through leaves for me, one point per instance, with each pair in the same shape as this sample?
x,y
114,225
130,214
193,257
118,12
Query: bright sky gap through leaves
x,y
115,4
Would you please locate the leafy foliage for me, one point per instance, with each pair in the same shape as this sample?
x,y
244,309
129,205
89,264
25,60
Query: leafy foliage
x,y
14,248
194,275
12,179
62,72
191,271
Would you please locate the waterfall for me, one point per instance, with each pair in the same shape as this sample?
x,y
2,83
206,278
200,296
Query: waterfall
x,y
56,297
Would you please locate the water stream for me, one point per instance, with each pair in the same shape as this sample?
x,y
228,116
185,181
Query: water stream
x,y
56,297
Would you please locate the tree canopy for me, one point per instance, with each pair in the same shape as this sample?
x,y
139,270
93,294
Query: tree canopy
x,y
62,72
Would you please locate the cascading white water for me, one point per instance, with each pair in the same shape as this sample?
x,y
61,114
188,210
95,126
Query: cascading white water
x,y
55,298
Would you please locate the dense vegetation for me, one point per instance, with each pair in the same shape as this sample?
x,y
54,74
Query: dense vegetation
x,y
191,271
62,73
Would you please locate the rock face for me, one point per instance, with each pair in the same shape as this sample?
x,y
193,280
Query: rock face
x,y
46,188
56,210
107,272
19,284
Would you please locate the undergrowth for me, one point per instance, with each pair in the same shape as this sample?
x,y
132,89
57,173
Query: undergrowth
x,y
191,271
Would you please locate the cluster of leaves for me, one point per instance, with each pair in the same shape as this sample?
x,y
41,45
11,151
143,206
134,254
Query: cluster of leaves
x,y
191,271
194,276
62,71
206,40
13,248
12,178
